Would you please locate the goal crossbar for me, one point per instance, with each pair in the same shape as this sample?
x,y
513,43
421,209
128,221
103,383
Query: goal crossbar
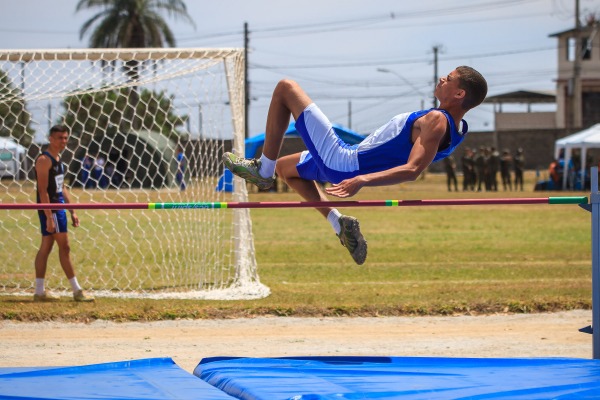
x,y
115,54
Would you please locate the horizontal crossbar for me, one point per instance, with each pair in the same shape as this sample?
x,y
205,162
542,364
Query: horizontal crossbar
x,y
297,204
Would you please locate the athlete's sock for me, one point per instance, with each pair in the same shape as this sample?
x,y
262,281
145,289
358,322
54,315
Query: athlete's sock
x,y
267,167
334,219
39,286
74,284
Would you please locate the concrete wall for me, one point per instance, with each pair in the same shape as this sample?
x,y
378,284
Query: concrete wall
x,y
507,121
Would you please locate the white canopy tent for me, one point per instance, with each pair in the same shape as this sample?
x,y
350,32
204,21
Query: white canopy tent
x,y
12,155
586,139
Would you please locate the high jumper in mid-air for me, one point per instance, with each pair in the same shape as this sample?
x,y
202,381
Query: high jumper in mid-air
x,y
396,152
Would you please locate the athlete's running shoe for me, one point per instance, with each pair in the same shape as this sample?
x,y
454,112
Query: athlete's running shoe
x,y
247,168
81,297
45,297
352,239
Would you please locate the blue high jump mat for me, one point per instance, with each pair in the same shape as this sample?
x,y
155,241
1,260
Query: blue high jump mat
x,y
321,378
311,378
153,378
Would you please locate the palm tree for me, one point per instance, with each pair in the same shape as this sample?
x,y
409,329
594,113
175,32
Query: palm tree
x,y
131,23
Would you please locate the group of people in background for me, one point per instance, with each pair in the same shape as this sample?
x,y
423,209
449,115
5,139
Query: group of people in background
x,y
482,167
574,180
95,173
100,172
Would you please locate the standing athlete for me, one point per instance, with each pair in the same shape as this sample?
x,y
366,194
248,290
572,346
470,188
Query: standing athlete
x,y
50,176
397,152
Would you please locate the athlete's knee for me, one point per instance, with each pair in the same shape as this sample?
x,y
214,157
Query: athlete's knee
x,y
46,245
286,167
64,247
65,250
282,169
287,85
285,89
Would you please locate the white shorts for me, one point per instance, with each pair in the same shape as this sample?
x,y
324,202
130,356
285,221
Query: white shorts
x,y
329,158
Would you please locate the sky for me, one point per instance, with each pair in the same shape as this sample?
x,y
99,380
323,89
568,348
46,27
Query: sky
x,y
336,49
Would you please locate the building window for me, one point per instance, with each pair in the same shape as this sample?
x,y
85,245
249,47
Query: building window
x,y
586,48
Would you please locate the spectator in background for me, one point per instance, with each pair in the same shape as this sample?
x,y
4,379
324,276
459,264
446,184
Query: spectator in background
x,y
505,166
50,175
181,166
97,172
519,163
102,171
89,164
480,167
84,173
468,167
555,174
450,166
108,175
568,169
494,167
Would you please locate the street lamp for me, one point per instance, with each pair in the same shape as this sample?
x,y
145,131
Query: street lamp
x,y
403,79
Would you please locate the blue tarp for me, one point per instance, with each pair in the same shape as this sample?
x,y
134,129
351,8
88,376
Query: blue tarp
x,y
154,378
320,378
225,183
255,142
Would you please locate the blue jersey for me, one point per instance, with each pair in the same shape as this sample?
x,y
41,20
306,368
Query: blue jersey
x,y
329,159
56,178
390,145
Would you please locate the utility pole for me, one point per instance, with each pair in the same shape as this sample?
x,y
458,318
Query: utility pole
x,y
577,112
349,114
246,83
435,72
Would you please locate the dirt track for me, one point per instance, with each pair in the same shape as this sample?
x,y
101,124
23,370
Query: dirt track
x,y
187,341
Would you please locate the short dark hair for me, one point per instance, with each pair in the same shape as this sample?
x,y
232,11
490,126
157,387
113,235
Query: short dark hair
x,y
474,84
59,128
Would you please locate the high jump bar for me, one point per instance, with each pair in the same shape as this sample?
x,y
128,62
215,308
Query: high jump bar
x,y
296,204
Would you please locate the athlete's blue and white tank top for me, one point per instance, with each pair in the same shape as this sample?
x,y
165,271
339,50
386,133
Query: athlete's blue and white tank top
x,y
329,159
390,145
56,178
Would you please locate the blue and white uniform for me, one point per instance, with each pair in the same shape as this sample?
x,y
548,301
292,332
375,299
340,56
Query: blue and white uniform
x,y
330,159
56,178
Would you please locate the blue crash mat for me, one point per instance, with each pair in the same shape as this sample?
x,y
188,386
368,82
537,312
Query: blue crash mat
x,y
318,378
154,378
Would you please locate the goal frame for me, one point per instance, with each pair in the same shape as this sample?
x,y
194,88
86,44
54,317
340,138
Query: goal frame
x,y
246,284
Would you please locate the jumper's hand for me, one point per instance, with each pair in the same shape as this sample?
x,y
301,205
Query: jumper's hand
x,y
75,219
346,188
50,227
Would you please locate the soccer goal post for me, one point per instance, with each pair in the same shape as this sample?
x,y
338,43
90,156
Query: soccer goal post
x,y
147,125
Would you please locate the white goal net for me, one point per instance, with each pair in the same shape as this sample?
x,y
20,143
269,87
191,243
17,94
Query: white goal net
x,y
147,126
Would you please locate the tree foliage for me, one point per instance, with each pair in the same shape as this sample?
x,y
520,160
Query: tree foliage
x,y
96,114
14,118
131,23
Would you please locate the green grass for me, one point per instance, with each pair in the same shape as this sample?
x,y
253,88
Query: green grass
x,y
422,261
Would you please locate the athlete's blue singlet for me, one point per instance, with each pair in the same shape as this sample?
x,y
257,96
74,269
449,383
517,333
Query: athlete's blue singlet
x,y
329,159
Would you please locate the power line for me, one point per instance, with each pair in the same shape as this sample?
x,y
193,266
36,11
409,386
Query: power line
x,y
336,25
401,62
